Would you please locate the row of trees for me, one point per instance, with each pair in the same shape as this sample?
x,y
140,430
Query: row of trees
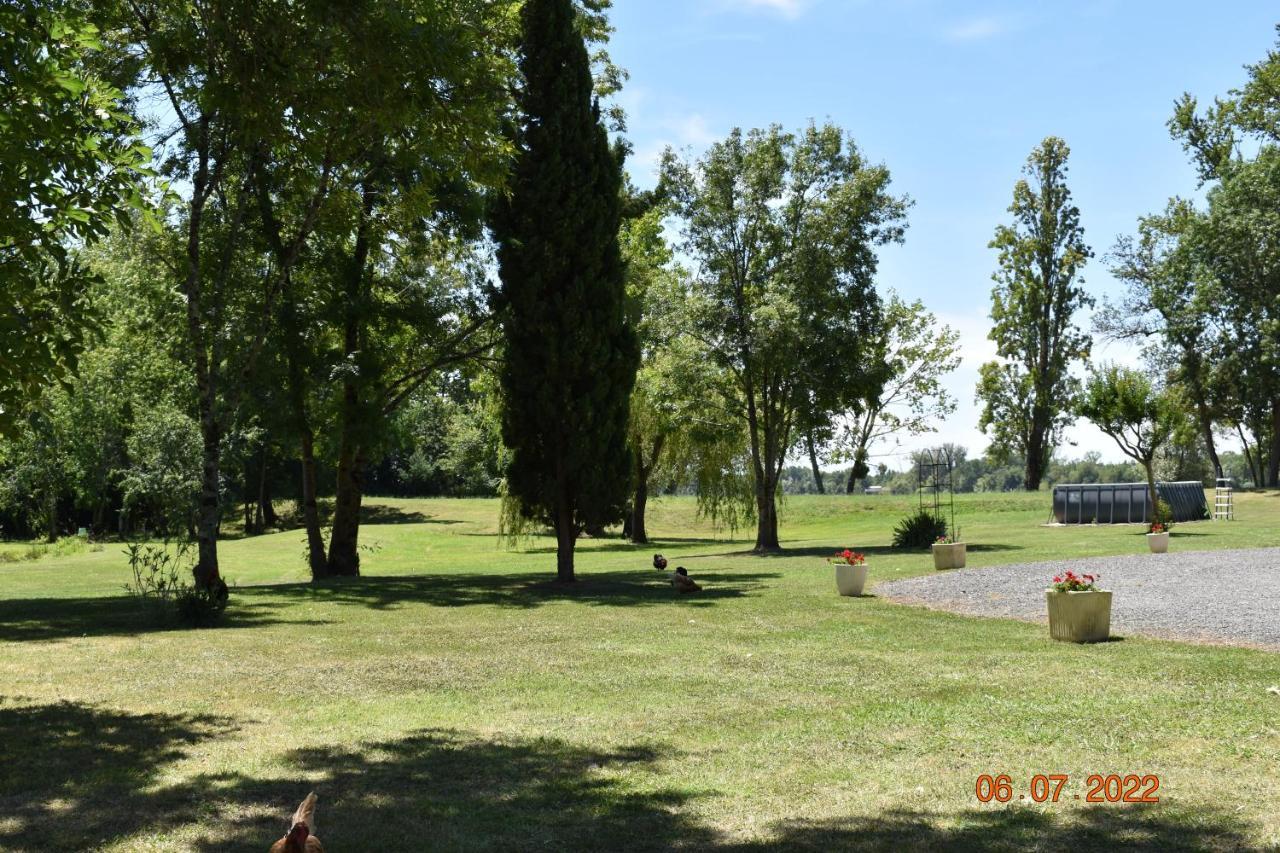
x,y
1202,296
290,290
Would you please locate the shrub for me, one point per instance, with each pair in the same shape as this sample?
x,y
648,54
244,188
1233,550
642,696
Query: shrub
x,y
161,584
919,530
1163,515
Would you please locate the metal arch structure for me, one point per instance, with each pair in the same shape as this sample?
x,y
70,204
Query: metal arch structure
x,y
934,469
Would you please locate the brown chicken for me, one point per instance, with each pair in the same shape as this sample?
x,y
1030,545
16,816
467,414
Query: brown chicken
x,y
683,583
301,838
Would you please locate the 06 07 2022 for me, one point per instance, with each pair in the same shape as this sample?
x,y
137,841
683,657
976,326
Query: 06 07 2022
x,y
1051,788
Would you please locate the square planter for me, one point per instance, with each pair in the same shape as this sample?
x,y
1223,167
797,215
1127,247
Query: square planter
x,y
1079,617
1158,542
850,579
948,555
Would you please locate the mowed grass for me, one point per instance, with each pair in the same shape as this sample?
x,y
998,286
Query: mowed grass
x,y
453,698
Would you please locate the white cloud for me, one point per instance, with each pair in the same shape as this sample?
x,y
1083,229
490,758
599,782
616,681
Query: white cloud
x,y
978,29
689,130
786,8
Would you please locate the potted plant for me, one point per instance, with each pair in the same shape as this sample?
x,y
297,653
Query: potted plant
x,y
949,552
851,572
1158,538
1079,612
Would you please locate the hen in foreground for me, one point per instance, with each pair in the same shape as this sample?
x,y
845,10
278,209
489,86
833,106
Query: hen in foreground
x,y
301,838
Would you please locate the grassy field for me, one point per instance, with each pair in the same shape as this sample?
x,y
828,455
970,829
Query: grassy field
x,y
453,698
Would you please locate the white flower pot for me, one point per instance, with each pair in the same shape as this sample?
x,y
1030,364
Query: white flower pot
x,y
1079,617
1158,542
850,579
948,555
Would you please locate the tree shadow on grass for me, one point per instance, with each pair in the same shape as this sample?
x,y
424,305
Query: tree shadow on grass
x,y
79,777
388,514
1141,829
73,775
447,790
30,619
520,591
607,546
825,551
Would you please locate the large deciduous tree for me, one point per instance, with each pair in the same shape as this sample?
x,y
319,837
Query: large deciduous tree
x,y
1028,398
71,167
783,229
1236,245
571,349
917,353
1168,300
1140,417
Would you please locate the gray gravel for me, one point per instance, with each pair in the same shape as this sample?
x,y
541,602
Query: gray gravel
x,y
1228,597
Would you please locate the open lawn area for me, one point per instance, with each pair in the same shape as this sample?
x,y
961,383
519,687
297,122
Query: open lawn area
x,y
454,698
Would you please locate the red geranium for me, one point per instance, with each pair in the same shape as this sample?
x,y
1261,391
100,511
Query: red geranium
x,y
1069,581
852,558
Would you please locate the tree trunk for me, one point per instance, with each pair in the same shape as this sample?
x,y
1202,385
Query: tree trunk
x,y
249,527
1273,468
51,515
1210,446
344,550
209,514
1152,493
316,556
1035,461
813,462
344,556
1248,457
638,533
767,517
566,540
266,512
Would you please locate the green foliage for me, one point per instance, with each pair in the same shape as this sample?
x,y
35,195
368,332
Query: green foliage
x,y
162,584
70,168
917,353
918,531
162,480
1140,418
1163,514
571,350
784,230
1027,399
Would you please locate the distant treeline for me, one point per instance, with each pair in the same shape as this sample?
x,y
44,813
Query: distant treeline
x,y
982,475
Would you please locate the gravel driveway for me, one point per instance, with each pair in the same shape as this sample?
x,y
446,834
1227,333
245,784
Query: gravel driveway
x,y
1207,596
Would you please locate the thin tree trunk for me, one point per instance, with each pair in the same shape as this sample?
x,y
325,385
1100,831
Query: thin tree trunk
x,y
249,527
266,512
51,515
209,514
1210,446
1152,493
566,539
1248,458
1273,474
813,462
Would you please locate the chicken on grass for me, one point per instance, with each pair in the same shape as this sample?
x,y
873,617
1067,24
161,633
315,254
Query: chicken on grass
x,y
301,837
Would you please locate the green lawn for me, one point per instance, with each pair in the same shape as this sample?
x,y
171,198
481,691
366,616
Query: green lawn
x,y
453,698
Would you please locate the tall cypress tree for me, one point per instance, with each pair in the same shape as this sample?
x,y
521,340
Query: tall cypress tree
x,y
571,344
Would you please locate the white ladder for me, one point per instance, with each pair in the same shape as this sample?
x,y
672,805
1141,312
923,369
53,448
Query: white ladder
x,y
1223,503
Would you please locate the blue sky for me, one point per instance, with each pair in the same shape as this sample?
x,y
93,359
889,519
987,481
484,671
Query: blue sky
x,y
951,96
